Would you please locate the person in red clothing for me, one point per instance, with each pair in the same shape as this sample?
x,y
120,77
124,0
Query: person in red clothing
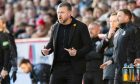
x,y
41,29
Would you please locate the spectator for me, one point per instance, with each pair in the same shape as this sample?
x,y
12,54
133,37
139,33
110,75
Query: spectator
x,y
29,30
89,12
19,29
37,5
44,4
75,12
103,6
115,6
54,3
23,4
79,4
9,15
39,72
41,30
97,13
87,20
138,3
17,7
29,5
131,5
122,4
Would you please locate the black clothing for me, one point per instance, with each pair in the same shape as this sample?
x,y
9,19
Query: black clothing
x,y
79,39
4,51
126,47
109,81
10,24
62,42
64,75
13,56
40,73
93,58
13,48
93,61
4,55
93,78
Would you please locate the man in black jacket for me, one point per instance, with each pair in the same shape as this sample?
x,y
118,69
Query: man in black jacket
x,y
70,42
93,73
126,44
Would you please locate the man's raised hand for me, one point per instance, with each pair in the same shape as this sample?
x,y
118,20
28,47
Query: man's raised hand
x,y
72,51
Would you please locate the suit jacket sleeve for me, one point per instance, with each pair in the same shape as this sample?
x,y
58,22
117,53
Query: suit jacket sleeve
x,y
50,43
85,37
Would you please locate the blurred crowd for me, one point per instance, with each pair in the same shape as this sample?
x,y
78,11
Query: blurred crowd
x,y
34,18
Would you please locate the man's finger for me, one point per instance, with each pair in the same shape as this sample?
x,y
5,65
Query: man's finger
x,y
46,49
49,49
103,66
73,48
67,49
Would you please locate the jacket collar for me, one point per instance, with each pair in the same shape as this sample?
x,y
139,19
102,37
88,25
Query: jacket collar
x,y
125,25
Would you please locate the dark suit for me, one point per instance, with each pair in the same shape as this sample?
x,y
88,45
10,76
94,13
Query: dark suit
x,y
79,39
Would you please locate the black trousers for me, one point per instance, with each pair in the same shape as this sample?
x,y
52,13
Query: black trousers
x,y
93,77
64,74
109,81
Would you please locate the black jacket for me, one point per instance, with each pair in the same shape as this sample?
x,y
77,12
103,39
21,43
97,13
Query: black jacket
x,y
79,39
94,59
40,73
4,51
126,44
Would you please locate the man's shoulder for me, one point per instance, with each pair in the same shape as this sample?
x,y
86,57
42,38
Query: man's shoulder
x,y
132,28
55,24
